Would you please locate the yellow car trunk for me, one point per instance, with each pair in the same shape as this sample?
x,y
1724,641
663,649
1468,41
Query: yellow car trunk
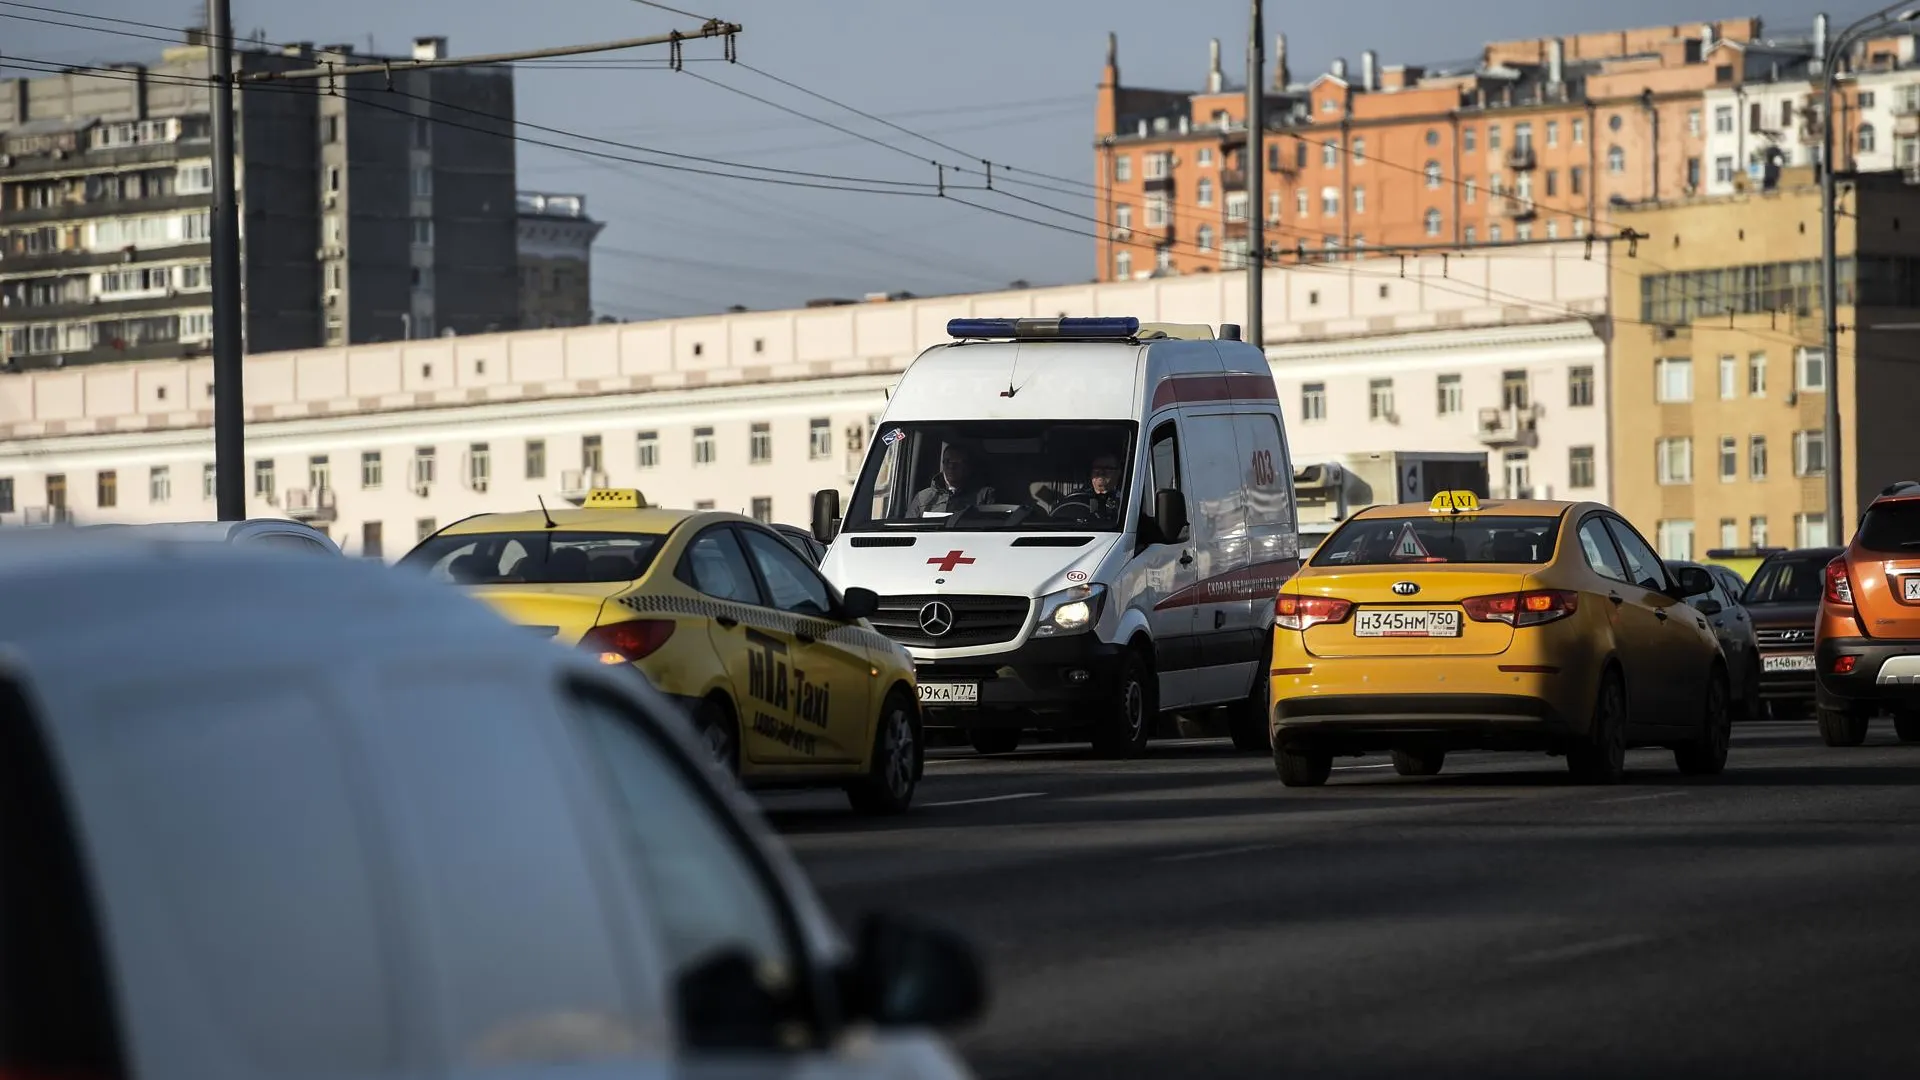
x,y
563,612
1385,622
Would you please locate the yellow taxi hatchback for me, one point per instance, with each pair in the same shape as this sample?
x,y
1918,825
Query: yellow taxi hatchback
x,y
1543,626
781,674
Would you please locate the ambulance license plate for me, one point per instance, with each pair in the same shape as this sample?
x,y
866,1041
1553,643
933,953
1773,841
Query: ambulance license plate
x,y
949,693
1401,622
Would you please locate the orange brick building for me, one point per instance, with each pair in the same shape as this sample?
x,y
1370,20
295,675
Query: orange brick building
x,y
1536,141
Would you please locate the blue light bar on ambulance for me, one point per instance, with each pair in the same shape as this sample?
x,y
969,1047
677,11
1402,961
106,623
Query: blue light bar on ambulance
x,y
1114,329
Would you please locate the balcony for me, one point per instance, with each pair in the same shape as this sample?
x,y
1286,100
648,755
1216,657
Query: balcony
x,y
79,211
311,505
1233,179
1162,183
575,483
1515,207
1520,157
1510,426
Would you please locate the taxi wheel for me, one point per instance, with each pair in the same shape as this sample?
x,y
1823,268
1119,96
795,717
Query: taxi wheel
x,y
1301,768
1247,718
1419,762
897,761
1906,724
1708,756
1125,722
1601,758
714,724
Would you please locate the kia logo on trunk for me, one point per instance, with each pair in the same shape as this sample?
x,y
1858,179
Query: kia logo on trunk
x,y
1405,588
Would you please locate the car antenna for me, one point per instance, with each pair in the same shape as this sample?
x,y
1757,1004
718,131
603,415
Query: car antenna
x,y
551,524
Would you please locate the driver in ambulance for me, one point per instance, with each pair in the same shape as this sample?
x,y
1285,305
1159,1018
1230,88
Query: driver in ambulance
x,y
1101,495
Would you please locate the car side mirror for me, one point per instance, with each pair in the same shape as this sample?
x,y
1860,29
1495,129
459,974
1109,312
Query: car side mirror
x,y
1692,581
1708,607
826,514
1169,515
905,973
858,603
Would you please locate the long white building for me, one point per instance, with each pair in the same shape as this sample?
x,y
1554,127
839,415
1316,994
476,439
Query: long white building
x,y
753,412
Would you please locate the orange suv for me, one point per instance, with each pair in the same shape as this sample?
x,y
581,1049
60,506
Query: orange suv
x,y
1867,640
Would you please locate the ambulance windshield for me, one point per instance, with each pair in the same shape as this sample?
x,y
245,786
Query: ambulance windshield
x,y
996,476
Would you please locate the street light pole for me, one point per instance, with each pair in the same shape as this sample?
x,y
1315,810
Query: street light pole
x,y
229,397
1255,333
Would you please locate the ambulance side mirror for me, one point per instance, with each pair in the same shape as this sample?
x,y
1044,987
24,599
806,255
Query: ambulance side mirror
x,y
1169,515
826,514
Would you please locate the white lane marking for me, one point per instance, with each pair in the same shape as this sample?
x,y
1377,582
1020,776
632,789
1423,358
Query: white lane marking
x,y
1579,949
1189,856
988,799
1349,768
1644,798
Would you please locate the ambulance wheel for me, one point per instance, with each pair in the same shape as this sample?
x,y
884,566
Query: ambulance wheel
x,y
1124,721
994,740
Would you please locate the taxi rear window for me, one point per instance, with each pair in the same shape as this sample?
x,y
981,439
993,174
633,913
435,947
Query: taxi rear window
x,y
540,557
1439,538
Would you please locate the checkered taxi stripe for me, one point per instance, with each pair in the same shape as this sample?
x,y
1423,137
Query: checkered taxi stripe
x,y
767,618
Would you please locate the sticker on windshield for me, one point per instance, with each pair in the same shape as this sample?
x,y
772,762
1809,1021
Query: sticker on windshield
x,y
893,436
1409,546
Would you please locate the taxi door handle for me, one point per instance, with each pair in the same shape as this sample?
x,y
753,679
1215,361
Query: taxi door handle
x,y
804,638
1617,599
1658,614
727,622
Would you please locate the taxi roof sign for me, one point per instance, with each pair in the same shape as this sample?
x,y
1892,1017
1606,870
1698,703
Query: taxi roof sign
x,y
1454,502
615,499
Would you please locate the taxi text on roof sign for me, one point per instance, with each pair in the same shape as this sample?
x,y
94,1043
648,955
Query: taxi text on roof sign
x,y
1455,502
615,499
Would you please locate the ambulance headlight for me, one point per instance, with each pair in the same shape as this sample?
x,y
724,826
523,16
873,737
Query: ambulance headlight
x,y
1070,611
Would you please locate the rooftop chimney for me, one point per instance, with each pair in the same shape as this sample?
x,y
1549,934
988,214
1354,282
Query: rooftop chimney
x,y
1370,70
1819,44
195,35
1281,76
1556,62
1216,79
1340,68
429,48
1706,40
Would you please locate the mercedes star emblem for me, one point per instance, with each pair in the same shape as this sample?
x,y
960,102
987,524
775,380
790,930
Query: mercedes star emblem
x,y
936,619
1405,588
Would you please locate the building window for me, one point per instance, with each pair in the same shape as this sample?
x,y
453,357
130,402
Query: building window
x,y
1723,120
1329,202
592,458
647,449
1359,150
763,509
536,459
1676,539
1580,385
159,484
1470,188
1673,379
1123,168
1757,457
370,469
760,444
1433,175
1723,169
1577,179
1616,160
422,230
1359,200
107,489
1673,460
6,494
1810,453
1810,530
1237,205
371,542
1203,238
1203,192
423,528
1123,218
819,438
1580,466
1469,139
1693,173
1729,532
1158,165
1553,133
703,446
207,478
1156,210
1433,223
1864,141
1757,531
1313,401
1380,399
1450,396
1810,370
1472,235
1493,136
422,183
1579,131
263,479
1729,458
479,466
1757,374
1123,266
1729,377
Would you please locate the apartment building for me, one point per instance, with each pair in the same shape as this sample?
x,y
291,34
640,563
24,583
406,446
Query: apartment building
x,y
1538,139
1719,374
556,260
755,411
363,218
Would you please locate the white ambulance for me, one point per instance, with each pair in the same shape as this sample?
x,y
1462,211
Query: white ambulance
x,y
1076,525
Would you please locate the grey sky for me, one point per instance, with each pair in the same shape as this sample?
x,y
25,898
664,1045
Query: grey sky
x,y
1009,80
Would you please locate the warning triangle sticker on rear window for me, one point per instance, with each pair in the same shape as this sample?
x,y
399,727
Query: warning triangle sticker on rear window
x,y
1409,545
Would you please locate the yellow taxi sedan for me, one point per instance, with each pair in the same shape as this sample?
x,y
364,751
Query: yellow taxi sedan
x,y
783,677
1525,625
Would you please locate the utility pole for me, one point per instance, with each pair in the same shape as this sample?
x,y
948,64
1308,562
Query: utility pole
x,y
1255,332
229,396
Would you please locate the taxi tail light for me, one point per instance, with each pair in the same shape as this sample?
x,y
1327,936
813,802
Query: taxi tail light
x,y
1531,608
1839,586
625,642
1299,612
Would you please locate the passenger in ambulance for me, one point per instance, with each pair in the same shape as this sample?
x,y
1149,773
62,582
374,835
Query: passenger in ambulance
x,y
954,487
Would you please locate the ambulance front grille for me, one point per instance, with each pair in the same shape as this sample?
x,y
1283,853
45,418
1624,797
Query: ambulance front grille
x,y
975,620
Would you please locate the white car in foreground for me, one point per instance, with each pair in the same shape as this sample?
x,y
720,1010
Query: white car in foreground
x,y
265,815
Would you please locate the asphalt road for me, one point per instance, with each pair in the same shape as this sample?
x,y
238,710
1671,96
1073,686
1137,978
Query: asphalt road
x,y
1185,915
